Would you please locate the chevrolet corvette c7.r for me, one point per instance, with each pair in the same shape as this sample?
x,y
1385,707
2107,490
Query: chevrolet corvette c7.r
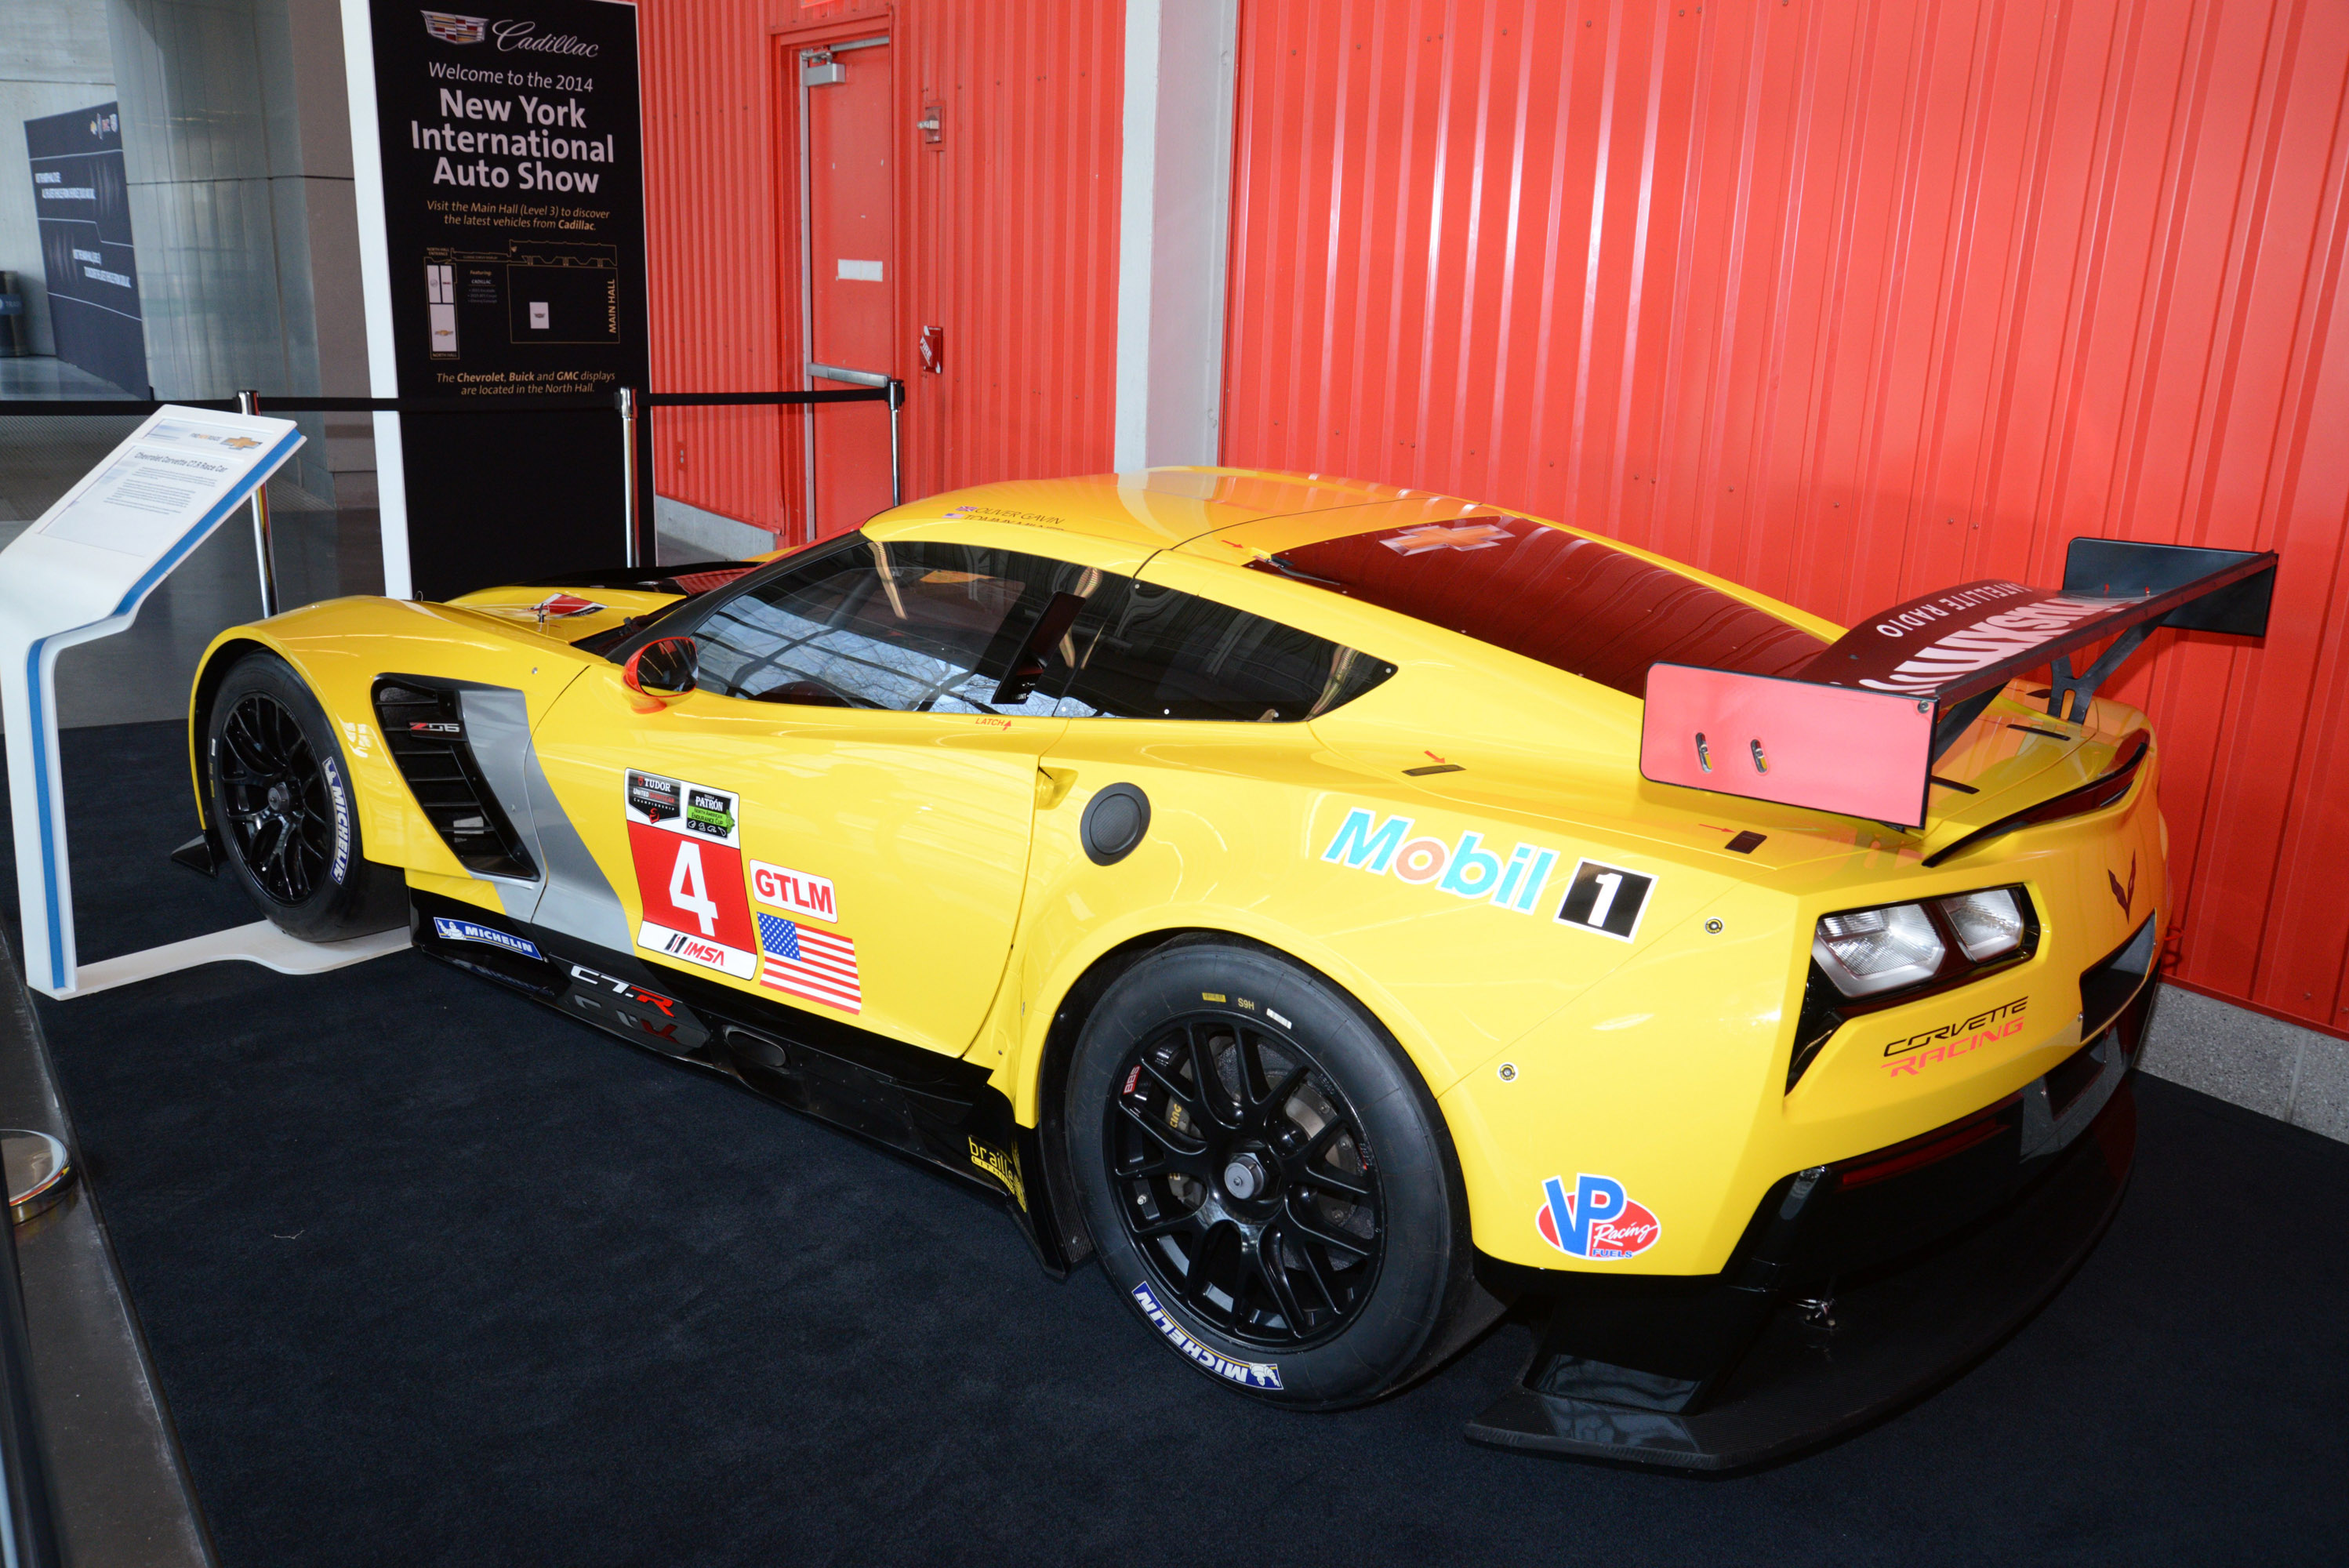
x,y
1339,910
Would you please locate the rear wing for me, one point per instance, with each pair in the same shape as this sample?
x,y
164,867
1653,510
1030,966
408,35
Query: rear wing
x,y
1859,729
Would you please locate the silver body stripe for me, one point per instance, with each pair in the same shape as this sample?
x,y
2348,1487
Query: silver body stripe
x,y
573,895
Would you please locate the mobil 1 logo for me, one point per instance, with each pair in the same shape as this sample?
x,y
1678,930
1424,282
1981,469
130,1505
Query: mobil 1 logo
x,y
1605,899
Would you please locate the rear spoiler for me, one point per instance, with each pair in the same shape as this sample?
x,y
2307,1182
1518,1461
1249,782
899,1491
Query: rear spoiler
x,y
1859,729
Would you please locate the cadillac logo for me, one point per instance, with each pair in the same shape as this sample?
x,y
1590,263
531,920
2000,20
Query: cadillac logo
x,y
453,29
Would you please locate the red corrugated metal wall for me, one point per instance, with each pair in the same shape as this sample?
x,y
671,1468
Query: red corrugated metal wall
x,y
1850,301
1007,236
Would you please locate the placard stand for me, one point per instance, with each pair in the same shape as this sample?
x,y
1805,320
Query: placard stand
x,y
80,573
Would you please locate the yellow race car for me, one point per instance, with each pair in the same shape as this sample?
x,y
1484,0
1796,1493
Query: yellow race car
x,y
1339,910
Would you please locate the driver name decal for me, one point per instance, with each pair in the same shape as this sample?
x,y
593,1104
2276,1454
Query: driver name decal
x,y
1595,1220
686,839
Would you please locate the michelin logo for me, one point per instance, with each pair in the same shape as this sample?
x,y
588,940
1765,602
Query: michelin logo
x,y
1253,1374
449,930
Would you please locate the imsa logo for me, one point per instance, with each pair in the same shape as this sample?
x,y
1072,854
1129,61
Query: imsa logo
x,y
1249,1374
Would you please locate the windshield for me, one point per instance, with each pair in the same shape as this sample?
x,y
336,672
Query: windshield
x,y
1577,604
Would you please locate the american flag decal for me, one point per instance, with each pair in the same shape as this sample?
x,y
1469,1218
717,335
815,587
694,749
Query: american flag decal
x,y
815,964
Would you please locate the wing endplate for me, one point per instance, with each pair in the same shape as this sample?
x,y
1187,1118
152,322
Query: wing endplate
x,y
1796,742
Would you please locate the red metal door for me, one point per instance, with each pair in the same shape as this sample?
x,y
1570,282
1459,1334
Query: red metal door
x,y
848,266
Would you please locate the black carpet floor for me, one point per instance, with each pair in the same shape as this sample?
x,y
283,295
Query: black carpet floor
x,y
433,1276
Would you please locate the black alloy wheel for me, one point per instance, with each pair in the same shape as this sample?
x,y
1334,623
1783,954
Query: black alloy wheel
x,y
274,799
1243,1179
281,803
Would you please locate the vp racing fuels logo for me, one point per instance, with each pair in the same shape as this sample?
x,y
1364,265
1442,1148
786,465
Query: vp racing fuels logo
x,y
1595,1220
1249,1374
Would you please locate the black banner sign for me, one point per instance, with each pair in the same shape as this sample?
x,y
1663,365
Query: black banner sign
x,y
83,203
514,215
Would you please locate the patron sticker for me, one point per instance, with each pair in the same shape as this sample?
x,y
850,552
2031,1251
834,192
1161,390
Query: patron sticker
x,y
1595,1220
686,842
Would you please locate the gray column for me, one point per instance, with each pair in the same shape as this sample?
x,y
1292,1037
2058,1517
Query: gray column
x,y
236,141
1174,233
53,58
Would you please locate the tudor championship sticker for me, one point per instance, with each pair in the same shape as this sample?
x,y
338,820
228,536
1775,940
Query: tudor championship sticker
x,y
1249,1374
686,839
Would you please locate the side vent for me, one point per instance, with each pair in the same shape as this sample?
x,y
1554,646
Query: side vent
x,y
424,731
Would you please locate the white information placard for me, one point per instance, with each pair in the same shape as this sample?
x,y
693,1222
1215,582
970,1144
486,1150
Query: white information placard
x,y
81,572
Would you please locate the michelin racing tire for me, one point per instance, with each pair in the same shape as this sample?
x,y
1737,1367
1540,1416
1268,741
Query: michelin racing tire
x,y
279,796
1267,1180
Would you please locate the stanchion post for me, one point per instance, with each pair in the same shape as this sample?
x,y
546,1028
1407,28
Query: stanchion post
x,y
629,506
896,465
30,1519
250,403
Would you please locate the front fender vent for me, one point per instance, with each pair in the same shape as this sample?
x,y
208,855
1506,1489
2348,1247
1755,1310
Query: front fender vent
x,y
424,727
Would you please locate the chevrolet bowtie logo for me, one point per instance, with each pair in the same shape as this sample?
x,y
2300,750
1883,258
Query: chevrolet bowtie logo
x,y
2124,896
1448,536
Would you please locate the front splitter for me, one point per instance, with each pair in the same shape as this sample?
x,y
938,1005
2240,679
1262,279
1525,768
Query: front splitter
x,y
1898,1335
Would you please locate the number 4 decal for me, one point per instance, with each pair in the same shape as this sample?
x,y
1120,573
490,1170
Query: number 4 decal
x,y
1605,899
689,891
685,840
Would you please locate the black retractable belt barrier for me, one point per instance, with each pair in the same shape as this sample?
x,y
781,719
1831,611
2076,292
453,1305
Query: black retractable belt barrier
x,y
635,432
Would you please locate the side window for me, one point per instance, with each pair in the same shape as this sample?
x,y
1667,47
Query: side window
x,y
912,627
1155,653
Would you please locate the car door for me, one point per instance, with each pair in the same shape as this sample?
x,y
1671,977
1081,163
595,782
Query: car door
x,y
838,818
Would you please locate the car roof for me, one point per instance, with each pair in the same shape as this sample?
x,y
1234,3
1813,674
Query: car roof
x,y
1148,511
1232,515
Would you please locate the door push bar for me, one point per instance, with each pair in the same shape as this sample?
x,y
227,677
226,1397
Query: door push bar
x,y
896,390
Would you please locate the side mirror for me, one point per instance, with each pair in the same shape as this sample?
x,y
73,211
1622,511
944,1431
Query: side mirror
x,y
667,666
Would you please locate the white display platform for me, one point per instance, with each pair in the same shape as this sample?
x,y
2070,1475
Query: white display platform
x,y
81,572
260,943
